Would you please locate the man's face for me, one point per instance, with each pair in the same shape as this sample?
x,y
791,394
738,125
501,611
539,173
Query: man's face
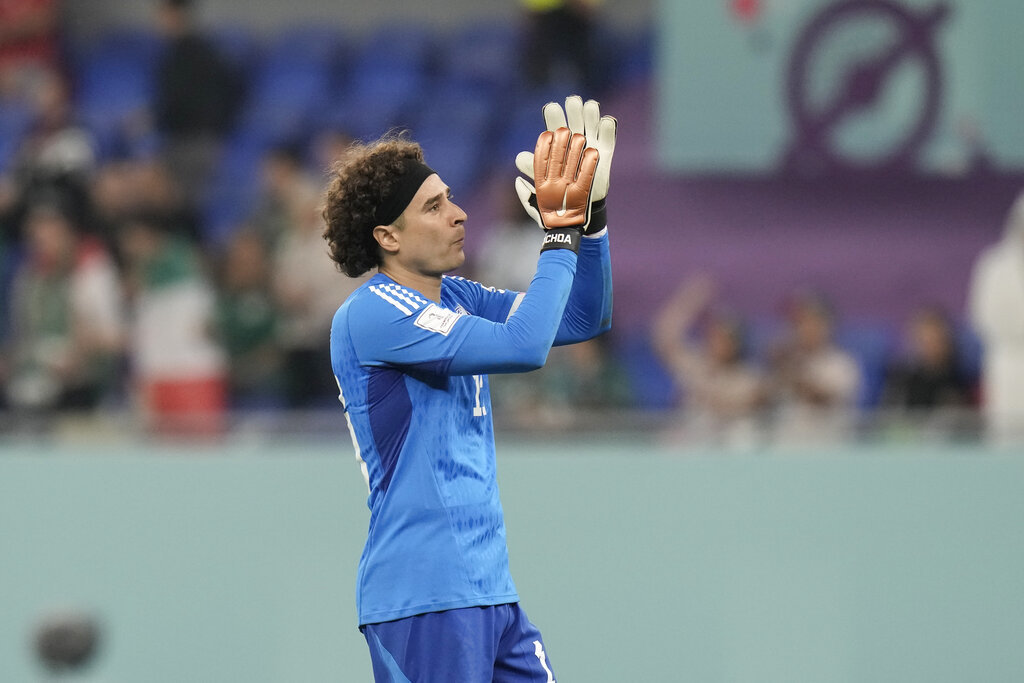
x,y
431,231
813,329
50,236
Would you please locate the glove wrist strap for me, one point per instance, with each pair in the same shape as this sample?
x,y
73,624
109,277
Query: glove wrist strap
x,y
562,238
598,218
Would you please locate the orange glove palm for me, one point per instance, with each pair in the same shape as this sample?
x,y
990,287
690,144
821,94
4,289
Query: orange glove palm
x,y
563,169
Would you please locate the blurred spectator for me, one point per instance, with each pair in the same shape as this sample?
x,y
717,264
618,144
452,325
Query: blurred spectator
x,y
931,376
996,302
288,193
57,147
814,382
55,156
307,286
559,40
929,390
577,387
197,98
67,320
582,377
29,43
723,391
7,260
113,197
248,321
329,146
180,371
125,188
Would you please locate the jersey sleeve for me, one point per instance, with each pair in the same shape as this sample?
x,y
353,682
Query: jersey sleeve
x,y
486,302
391,326
588,312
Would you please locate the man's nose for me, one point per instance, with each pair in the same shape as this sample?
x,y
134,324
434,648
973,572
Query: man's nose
x,y
460,215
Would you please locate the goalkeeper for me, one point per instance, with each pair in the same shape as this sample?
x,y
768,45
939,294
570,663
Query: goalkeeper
x,y
411,350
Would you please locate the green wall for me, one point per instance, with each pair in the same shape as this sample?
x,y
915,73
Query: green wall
x,y
864,565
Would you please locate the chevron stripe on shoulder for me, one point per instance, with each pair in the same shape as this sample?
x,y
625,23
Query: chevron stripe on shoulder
x,y
474,282
405,300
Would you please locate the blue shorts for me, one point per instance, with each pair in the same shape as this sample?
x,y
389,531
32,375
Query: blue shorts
x,y
470,645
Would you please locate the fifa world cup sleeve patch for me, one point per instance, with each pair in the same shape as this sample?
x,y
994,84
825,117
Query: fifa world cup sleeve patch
x,y
437,319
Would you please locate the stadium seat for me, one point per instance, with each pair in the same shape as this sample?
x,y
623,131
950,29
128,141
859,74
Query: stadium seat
x,y
314,44
239,47
523,121
636,60
969,351
454,128
399,45
484,55
235,184
15,122
133,43
379,98
114,81
871,345
116,71
296,80
388,76
650,384
623,58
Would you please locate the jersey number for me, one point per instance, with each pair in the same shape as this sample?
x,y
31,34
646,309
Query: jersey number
x,y
479,410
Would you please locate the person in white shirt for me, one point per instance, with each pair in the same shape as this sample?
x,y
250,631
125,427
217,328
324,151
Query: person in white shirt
x,y
996,308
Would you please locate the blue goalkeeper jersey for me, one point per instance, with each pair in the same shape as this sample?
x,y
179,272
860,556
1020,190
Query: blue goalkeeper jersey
x,y
413,379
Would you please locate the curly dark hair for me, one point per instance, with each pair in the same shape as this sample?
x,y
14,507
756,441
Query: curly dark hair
x,y
357,184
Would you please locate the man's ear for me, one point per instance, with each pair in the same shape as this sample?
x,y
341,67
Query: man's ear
x,y
387,238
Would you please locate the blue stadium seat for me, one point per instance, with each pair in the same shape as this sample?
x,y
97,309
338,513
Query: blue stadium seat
x,y
265,126
111,86
387,80
969,351
15,122
485,55
133,43
636,57
297,79
379,98
399,45
315,44
456,158
292,87
454,128
240,47
114,80
650,384
229,197
872,347
522,121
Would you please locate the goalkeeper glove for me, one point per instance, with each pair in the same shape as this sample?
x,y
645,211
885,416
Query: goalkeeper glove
x,y
579,117
564,171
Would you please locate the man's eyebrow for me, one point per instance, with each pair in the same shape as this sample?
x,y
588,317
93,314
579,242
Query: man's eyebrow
x,y
435,198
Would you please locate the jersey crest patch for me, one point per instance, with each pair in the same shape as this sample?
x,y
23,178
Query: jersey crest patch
x,y
437,319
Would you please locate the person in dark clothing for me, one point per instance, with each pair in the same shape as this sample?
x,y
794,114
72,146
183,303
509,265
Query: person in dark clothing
x,y
197,97
559,43
932,375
